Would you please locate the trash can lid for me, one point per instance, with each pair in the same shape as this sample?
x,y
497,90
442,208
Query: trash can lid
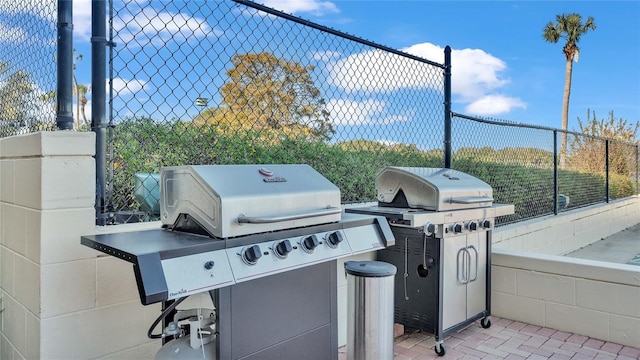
x,y
369,268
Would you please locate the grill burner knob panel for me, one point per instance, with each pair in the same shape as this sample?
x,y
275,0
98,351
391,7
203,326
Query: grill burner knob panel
x,y
282,249
306,249
309,243
251,255
334,239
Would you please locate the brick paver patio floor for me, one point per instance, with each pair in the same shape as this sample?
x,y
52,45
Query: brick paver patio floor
x,y
507,339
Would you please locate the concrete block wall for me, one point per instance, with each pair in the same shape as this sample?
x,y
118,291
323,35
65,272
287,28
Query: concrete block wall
x,y
61,300
568,231
591,298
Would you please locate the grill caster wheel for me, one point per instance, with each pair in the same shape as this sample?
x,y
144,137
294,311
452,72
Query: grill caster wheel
x,y
485,323
439,349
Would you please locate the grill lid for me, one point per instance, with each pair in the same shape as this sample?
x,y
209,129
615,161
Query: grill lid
x,y
434,189
235,200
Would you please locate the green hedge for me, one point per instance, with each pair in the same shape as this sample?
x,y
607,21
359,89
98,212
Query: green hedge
x,y
143,145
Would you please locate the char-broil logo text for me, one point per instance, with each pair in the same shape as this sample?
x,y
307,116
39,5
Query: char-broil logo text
x,y
274,179
180,292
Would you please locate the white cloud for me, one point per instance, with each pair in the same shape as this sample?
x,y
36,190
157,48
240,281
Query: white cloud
x,y
149,26
123,87
12,34
47,10
82,19
146,25
325,55
476,75
43,9
494,105
303,6
349,112
379,71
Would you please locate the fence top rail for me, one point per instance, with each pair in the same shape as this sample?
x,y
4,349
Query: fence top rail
x,y
538,127
335,32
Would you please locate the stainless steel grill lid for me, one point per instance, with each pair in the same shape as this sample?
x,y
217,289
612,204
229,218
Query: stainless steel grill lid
x,y
235,200
434,189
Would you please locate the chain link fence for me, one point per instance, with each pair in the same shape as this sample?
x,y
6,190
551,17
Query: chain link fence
x,y
525,165
27,66
222,82
232,82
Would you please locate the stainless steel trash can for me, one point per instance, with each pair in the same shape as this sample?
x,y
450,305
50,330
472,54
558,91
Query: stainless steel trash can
x,y
369,310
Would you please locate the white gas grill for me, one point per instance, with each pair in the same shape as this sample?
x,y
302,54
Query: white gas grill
x,y
263,240
442,221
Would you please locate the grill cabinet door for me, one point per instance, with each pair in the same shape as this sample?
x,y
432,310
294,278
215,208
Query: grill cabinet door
x,y
464,278
454,295
477,286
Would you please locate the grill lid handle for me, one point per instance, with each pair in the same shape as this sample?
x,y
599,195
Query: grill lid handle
x,y
470,199
274,219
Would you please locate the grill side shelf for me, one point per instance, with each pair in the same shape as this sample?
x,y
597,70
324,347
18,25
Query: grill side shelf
x,y
91,242
391,214
146,250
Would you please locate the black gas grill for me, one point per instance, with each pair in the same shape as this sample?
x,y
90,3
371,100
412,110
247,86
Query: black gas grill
x,y
442,221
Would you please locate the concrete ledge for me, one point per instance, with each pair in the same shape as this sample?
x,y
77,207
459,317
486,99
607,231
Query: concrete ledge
x,y
592,298
567,266
568,231
48,143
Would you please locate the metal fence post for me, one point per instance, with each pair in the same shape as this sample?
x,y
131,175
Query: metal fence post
x,y
447,107
606,169
555,172
637,169
64,87
98,85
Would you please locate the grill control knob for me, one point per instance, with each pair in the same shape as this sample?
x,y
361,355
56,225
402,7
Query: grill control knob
x,y
430,229
334,239
457,228
282,249
486,224
472,226
251,255
309,243
209,264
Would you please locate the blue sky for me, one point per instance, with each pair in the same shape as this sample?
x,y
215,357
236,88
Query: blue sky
x,y
502,67
504,40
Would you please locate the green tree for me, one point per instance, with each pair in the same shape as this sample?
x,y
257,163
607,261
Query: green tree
x,y
588,153
570,28
361,144
269,94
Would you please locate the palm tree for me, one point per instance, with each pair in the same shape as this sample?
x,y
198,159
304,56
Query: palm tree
x,y
570,28
83,90
76,88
